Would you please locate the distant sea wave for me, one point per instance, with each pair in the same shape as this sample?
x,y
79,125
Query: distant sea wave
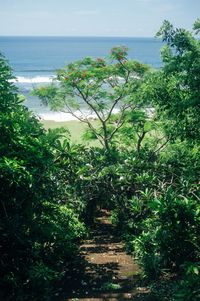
x,y
56,116
33,80
42,79
61,116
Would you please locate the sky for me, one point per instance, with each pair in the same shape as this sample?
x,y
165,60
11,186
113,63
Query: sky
x,y
124,18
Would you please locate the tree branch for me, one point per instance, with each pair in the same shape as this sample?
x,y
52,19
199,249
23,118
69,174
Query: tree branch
x,y
161,147
139,143
89,104
120,121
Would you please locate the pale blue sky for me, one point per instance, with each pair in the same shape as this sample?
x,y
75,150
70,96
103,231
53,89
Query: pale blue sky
x,y
137,18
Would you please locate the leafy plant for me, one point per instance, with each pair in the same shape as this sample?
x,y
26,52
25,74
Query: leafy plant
x,y
97,88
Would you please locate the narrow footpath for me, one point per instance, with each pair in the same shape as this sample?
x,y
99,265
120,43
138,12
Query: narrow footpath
x,y
106,273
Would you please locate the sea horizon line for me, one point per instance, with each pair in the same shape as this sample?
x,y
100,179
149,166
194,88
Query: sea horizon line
x,y
70,36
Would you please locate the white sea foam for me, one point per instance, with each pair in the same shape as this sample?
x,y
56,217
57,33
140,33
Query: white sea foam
x,y
61,116
57,116
33,80
49,79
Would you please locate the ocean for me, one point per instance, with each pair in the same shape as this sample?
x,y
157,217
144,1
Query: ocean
x,y
34,60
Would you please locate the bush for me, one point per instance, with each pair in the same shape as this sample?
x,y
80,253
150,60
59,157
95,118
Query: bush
x,y
189,288
170,237
39,234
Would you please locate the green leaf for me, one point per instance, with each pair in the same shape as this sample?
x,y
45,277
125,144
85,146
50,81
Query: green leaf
x,y
147,126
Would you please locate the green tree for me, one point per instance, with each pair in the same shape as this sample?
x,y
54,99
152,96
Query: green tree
x,y
96,88
175,89
160,217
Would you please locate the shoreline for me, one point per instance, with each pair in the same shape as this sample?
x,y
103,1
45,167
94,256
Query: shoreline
x,y
65,117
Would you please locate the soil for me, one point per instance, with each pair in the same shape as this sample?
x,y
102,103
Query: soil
x,y
105,272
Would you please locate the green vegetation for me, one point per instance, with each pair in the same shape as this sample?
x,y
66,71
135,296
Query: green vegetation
x,y
96,88
39,231
108,286
76,130
146,171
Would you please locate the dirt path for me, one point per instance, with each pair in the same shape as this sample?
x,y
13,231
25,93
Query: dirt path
x,y
107,273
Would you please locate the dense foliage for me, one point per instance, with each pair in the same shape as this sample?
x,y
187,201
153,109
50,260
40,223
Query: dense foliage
x,y
146,172
39,232
175,89
160,221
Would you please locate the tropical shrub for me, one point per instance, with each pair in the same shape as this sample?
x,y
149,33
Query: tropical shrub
x,y
39,235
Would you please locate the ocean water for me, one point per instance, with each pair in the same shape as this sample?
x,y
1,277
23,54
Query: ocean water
x,y
34,60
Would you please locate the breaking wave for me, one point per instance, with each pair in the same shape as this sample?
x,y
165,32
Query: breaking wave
x,y
33,80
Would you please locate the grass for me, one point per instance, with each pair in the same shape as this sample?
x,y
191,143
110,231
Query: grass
x,y
76,129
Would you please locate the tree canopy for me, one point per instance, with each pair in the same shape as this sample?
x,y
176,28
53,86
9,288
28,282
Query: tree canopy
x,y
175,89
96,89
